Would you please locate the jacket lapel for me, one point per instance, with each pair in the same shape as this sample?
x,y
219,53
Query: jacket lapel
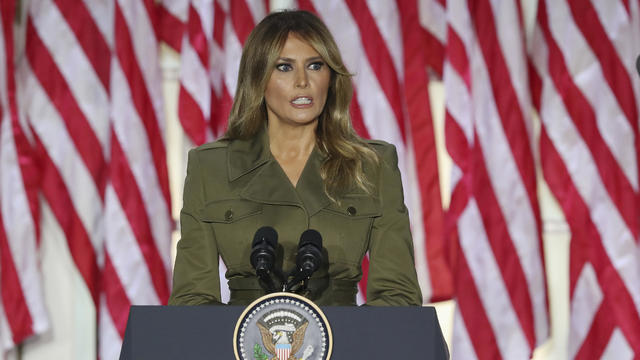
x,y
269,184
310,187
243,156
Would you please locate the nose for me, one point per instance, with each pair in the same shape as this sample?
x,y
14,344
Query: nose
x,y
301,80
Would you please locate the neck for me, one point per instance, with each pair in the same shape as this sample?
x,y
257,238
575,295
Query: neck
x,y
289,142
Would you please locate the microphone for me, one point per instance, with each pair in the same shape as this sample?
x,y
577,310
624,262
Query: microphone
x,y
308,259
638,65
263,254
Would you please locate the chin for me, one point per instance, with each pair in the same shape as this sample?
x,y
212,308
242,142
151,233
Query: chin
x,y
306,120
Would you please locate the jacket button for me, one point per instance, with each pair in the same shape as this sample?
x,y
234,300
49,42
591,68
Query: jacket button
x,y
351,211
228,215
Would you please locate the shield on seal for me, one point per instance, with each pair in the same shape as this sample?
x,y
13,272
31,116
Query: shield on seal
x,y
283,351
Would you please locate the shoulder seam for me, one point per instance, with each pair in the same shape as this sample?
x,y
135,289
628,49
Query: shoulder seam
x,y
214,145
377,142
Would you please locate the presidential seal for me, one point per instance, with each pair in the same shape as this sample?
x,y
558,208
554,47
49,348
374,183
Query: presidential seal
x,y
282,326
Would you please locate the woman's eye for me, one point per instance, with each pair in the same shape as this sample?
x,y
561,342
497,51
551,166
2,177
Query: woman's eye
x,y
316,65
283,67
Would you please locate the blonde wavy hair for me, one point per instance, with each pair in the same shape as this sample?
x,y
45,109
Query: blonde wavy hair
x,y
346,153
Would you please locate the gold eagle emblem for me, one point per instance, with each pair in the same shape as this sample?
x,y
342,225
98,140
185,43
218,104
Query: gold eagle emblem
x,y
269,341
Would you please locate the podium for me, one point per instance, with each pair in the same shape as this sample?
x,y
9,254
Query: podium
x,y
206,332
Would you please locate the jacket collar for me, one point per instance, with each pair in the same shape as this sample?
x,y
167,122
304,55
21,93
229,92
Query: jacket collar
x,y
244,156
269,184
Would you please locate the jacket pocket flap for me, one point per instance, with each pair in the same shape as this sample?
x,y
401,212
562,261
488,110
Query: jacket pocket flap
x,y
229,211
356,206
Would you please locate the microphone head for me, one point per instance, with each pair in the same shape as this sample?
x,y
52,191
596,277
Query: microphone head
x,y
265,234
638,65
263,250
309,255
310,237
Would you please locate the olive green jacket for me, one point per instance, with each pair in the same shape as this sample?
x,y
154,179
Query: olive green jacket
x,y
235,187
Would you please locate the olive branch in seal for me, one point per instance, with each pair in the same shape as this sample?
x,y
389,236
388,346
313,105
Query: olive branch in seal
x,y
258,354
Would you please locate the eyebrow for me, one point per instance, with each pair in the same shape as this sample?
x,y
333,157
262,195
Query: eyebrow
x,y
315,58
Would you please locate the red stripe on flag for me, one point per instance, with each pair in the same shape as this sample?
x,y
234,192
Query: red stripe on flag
x,y
433,49
219,17
191,117
171,28
93,44
241,19
153,9
132,204
60,95
362,284
197,37
117,301
307,5
6,21
142,100
220,110
13,301
457,57
457,144
356,119
627,6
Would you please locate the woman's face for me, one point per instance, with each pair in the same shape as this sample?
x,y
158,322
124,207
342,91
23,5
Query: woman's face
x,y
297,89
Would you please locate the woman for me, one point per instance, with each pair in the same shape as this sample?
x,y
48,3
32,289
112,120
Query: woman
x,y
291,160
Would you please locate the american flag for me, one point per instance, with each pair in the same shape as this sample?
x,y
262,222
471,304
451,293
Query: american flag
x,y
586,90
22,309
89,87
494,218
